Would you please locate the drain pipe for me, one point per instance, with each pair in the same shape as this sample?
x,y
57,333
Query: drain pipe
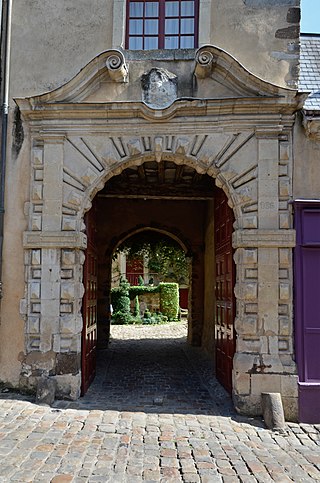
x,y
6,49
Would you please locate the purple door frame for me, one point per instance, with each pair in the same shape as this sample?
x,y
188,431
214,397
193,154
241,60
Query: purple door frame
x,y
307,308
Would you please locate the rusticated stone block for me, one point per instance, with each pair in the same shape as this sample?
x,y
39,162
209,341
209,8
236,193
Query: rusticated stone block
x,y
33,325
284,257
244,362
289,385
249,344
250,222
246,325
69,223
69,363
271,364
37,192
284,187
68,257
67,291
250,404
36,222
284,326
37,156
284,291
250,256
242,384
265,383
68,386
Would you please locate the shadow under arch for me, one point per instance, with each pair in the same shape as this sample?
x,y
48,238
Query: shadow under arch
x,y
220,177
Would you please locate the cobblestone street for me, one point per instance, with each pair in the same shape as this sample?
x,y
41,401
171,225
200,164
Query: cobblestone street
x,y
154,413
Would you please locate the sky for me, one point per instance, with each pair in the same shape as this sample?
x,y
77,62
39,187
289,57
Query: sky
x,y
310,16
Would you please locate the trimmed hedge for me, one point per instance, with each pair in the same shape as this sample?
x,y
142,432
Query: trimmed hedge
x,y
135,290
169,300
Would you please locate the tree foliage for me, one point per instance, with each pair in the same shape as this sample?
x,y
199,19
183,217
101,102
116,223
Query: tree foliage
x,y
165,256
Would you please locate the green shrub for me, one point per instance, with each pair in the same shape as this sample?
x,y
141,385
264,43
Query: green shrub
x,y
136,309
121,304
122,318
120,297
135,290
169,300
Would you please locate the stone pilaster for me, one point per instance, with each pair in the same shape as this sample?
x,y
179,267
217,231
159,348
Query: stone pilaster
x,y
54,279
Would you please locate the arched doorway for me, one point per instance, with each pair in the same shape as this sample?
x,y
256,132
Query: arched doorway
x,y
176,200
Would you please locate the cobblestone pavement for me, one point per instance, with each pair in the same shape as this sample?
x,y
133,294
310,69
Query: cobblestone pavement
x,y
154,413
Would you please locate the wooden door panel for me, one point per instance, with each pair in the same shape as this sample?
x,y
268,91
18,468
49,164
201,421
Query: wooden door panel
x,y
89,308
225,300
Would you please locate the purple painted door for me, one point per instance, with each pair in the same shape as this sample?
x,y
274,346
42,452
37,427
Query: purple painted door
x,y
307,309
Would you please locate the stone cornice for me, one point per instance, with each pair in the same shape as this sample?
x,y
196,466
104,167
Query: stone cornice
x,y
245,107
264,239
60,239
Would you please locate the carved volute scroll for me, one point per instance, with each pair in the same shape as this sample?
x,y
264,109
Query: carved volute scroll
x,y
116,66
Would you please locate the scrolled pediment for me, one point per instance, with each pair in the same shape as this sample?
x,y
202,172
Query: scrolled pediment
x,y
108,67
216,66
212,81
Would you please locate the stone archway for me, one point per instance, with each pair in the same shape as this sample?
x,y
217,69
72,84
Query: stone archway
x,y
175,200
242,141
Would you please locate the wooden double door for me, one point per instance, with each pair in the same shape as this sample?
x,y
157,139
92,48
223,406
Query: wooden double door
x,y
224,291
89,307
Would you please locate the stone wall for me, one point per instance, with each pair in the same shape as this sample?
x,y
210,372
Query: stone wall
x,y
78,138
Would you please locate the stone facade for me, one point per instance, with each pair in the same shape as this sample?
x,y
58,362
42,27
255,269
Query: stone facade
x,y
215,117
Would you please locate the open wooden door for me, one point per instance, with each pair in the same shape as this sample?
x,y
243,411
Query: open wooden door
x,y
89,307
225,299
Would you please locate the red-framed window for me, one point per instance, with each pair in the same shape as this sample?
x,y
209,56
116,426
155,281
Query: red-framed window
x,y
162,24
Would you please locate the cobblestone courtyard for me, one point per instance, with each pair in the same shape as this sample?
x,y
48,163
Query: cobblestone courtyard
x,y
154,413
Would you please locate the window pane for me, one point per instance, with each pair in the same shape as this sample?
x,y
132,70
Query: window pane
x,y
152,9
187,8
172,9
135,43
150,43
135,26
187,42
187,26
171,26
151,27
171,42
136,9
